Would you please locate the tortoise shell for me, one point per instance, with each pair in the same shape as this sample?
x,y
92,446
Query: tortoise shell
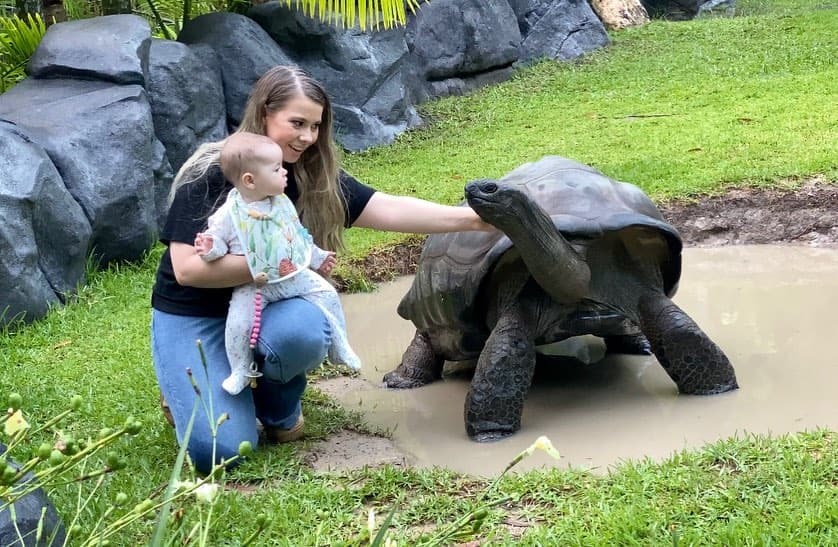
x,y
446,299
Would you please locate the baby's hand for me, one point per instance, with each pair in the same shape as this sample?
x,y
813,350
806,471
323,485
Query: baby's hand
x,y
328,265
203,243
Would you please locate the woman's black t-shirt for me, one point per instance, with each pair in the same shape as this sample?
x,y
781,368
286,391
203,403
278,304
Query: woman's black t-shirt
x,y
188,214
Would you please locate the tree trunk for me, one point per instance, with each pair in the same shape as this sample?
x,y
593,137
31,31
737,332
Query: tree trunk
x,y
54,12
113,7
617,14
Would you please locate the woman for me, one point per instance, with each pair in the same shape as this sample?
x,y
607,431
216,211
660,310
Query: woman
x,y
191,296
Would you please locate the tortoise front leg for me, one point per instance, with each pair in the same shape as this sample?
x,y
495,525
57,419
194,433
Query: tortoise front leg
x,y
694,362
501,380
419,366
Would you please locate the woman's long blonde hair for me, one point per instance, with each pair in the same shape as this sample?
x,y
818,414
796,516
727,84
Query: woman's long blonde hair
x,y
320,205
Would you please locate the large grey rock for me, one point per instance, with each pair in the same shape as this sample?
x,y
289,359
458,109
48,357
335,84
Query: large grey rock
x,y
44,235
681,10
362,71
244,50
557,29
34,515
472,42
461,86
101,138
187,98
112,48
163,176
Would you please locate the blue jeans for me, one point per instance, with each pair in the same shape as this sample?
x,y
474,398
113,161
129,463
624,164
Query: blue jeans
x,y
294,339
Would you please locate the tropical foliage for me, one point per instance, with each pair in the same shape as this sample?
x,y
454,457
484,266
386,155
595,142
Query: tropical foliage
x,y
374,13
20,33
18,39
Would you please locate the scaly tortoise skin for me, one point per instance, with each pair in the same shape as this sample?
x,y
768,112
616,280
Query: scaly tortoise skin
x,y
576,253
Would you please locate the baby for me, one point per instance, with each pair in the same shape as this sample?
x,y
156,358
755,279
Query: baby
x,y
259,221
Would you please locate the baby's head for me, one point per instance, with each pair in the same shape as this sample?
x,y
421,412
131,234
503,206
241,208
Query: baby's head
x,y
253,163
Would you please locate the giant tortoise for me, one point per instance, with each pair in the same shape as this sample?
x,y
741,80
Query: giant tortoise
x,y
576,253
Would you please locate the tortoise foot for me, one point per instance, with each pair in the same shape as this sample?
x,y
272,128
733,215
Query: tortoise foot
x,y
396,379
419,366
487,432
713,389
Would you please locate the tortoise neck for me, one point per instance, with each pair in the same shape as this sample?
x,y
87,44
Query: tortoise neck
x,y
551,260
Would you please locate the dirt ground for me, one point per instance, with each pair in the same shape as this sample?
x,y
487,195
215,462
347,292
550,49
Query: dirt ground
x,y
806,214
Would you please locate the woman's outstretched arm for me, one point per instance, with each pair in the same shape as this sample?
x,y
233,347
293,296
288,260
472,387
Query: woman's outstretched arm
x,y
413,215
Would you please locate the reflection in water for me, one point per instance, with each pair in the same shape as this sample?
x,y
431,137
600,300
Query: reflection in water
x,y
771,308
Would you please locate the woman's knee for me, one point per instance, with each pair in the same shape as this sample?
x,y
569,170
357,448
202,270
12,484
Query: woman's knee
x,y
294,338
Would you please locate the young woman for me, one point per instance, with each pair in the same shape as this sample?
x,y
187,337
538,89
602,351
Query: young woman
x,y
191,296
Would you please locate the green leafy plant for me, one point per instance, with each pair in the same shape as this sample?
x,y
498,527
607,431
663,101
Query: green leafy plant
x,y
168,16
367,13
84,463
82,9
19,37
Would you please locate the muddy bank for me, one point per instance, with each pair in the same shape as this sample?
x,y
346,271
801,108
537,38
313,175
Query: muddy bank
x,y
807,215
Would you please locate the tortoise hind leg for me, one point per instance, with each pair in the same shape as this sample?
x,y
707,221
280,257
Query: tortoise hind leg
x,y
694,362
501,380
419,366
630,344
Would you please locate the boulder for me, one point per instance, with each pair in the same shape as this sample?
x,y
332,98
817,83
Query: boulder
x,y
113,48
100,137
459,45
361,71
109,113
682,10
186,97
28,518
557,29
619,14
44,240
244,51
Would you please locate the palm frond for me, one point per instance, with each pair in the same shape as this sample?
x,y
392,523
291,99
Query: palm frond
x,y
365,13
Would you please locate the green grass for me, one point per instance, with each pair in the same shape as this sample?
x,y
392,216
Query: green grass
x,y
742,101
679,109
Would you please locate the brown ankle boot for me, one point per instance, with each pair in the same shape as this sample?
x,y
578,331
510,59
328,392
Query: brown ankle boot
x,y
278,435
167,412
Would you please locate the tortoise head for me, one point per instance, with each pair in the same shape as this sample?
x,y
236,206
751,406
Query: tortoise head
x,y
497,203
551,260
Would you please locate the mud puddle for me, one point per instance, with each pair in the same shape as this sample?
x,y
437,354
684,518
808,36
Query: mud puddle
x,y
771,308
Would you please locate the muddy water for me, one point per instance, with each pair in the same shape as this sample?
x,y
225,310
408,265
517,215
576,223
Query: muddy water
x,y
771,308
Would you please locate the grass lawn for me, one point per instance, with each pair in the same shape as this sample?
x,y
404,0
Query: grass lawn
x,y
681,109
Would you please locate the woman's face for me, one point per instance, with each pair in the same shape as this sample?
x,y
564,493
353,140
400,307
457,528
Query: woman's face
x,y
294,127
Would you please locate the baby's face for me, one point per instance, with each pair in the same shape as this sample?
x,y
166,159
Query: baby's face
x,y
270,177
